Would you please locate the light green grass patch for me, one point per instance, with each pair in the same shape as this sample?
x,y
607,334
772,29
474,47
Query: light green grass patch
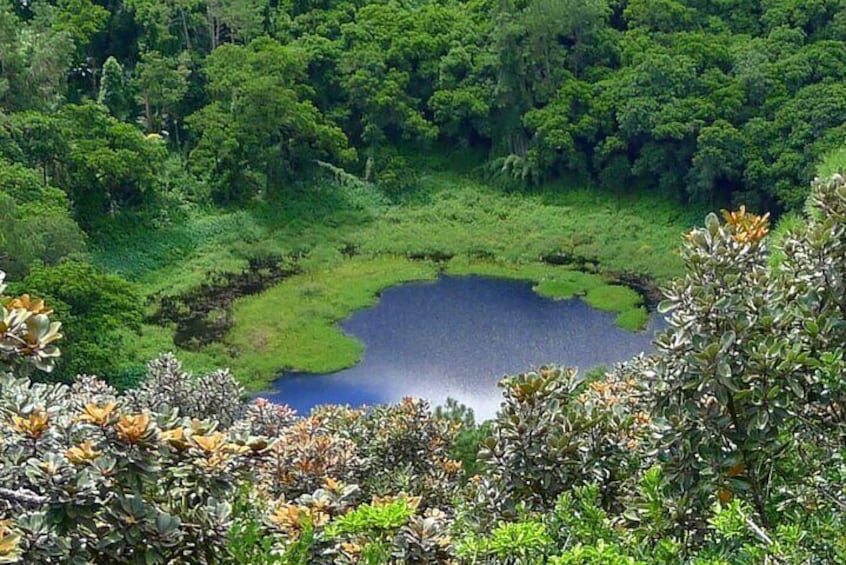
x,y
564,283
154,340
293,325
623,300
613,298
557,289
633,319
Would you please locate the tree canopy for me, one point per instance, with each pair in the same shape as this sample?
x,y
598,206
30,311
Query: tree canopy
x,y
719,103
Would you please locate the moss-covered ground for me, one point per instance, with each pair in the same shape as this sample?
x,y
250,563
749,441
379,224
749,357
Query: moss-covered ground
x,y
353,243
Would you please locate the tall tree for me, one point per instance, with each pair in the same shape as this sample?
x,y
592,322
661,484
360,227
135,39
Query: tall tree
x,y
261,125
161,83
114,90
109,165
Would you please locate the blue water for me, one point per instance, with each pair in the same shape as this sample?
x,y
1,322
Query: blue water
x,y
457,337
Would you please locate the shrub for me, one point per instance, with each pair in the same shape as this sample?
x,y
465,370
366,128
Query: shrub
x,y
748,383
216,396
403,448
88,479
555,431
27,337
95,309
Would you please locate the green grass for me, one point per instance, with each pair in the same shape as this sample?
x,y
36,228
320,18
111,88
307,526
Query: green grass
x,y
613,298
154,340
633,318
565,284
178,257
832,162
486,231
622,299
448,215
172,260
458,216
293,325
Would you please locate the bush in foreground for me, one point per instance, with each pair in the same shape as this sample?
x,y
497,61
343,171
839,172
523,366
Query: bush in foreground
x,y
725,446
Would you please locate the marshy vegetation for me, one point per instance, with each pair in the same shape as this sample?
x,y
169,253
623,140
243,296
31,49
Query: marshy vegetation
x,y
333,249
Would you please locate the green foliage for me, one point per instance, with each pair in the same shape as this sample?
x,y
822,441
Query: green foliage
x,y
468,440
554,432
556,288
368,518
260,116
599,554
37,227
28,336
82,19
107,164
36,58
832,163
215,396
662,103
736,387
95,308
86,478
708,102
510,542
247,543
459,216
161,83
114,92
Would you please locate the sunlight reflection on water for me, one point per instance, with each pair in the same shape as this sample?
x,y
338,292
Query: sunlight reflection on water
x,y
456,337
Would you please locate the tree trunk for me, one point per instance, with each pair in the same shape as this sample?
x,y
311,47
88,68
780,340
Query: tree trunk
x,y
148,113
185,28
213,28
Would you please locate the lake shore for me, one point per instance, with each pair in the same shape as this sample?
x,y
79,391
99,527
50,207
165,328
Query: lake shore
x,y
279,278
294,325
455,338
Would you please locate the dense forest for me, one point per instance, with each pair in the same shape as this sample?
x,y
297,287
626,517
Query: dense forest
x,y
119,105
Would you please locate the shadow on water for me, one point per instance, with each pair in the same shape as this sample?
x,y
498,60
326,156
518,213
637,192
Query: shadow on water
x,y
456,337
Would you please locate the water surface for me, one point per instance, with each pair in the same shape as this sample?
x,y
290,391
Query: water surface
x,y
457,337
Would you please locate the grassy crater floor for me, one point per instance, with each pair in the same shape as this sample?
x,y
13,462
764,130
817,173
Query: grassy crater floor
x,y
294,324
482,231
